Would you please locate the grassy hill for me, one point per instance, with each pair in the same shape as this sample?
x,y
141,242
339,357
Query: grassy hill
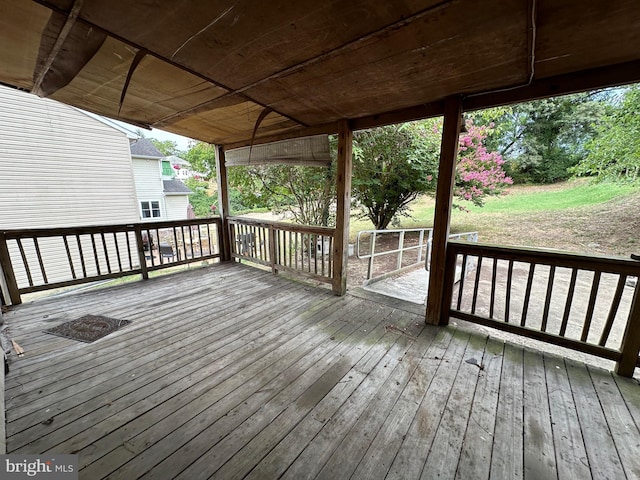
x,y
577,216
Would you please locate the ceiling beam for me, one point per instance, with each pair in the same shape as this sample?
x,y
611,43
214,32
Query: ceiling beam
x,y
592,79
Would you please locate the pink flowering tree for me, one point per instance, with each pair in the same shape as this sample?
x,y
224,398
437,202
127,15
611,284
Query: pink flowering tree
x,y
393,165
479,173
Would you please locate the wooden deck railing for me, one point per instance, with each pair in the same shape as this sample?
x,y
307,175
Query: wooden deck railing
x,y
303,249
586,303
32,260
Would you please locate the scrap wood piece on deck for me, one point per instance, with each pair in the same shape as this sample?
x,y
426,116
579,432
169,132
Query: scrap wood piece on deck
x,y
17,348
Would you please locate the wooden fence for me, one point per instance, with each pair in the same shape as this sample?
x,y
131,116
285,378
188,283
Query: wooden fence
x,y
32,260
586,303
303,249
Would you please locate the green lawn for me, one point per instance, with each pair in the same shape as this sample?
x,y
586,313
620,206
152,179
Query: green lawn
x,y
570,215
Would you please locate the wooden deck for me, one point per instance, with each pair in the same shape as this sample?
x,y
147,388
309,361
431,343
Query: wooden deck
x,y
228,372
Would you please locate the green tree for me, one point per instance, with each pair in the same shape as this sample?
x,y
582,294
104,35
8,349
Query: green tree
x,y
392,165
542,139
202,158
614,153
305,192
200,199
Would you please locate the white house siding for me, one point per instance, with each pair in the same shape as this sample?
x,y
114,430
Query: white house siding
x,y
176,206
60,168
148,181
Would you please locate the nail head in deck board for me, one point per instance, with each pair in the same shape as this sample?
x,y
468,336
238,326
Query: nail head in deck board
x,y
507,460
571,456
601,451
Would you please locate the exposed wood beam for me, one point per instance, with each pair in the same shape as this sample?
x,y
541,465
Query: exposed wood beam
x,y
442,216
592,79
163,58
326,129
343,208
57,46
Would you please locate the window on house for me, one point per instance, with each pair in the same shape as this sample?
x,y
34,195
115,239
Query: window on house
x,y
150,209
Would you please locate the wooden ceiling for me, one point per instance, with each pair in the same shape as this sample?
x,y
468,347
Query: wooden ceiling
x,y
217,70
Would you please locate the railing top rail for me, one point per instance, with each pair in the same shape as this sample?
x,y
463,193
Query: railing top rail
x,y
601,263
293,227
397,230
56,231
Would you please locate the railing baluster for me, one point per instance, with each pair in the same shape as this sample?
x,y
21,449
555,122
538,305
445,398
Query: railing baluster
x,y
494,275
615,303
106,252
595,284
463,269
547,301
66,247
476,284
126,236
527,295
40,261
115,241
24,262
81,252
507,300
95,253
567,305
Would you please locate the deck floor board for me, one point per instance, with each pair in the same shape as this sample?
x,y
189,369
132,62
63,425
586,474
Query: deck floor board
x,y
229,372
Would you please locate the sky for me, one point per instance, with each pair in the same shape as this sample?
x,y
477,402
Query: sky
x,y
182,142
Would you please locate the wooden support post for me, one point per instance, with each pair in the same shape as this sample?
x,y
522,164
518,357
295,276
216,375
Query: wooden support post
x,y
343,208
442,217
630,347
6,270
141,255
223,205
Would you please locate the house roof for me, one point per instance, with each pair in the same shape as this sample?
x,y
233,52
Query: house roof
x,y
230,73
143,147
175,187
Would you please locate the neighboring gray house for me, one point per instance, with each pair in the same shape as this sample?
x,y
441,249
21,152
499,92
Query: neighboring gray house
x,y
61,167
160,196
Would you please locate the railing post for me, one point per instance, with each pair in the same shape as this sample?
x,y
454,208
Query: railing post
x,y
223,204
630,347
372,257
141,256
401,248
444,200
343,208
6,269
